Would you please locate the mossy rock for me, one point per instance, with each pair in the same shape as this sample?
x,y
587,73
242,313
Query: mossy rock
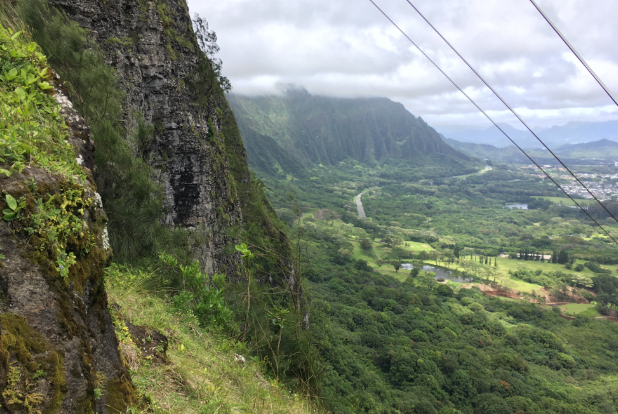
x,y
31,369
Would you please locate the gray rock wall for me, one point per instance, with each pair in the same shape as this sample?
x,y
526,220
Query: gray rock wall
x,y
151,46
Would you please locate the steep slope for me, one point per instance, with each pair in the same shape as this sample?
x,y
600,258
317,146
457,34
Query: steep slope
x,y
324,130
152,48
58,351
193,143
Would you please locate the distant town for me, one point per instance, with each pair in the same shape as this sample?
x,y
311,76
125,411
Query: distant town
x,y
603,186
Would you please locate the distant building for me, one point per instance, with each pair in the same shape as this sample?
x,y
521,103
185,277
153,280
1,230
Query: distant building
x,y
615,163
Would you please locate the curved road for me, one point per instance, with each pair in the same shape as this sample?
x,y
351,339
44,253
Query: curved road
x,y
359,206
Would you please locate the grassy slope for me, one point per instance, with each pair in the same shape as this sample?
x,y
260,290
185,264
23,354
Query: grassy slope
x,y
203,376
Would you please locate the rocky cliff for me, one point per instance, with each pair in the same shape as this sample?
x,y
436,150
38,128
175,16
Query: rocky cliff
x,y
58,349
152,48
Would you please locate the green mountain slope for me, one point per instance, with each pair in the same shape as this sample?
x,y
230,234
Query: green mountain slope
x,y
324,130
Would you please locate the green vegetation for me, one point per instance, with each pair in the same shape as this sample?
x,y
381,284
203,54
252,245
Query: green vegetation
x,y
33,132
381,339
398,341
204,374
565,201
299,129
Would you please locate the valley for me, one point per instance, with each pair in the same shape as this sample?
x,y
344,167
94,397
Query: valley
x,y
169,247
384,238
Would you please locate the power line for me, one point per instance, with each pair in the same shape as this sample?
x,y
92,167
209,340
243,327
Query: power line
x,y
510,108
490,119
581,59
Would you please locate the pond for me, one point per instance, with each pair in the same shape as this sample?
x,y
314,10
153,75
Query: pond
x,y
440,273
518,206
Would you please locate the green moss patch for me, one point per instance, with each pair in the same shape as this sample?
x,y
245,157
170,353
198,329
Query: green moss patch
x,y
25,357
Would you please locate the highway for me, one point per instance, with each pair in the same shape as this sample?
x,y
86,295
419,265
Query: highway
x,y
359,206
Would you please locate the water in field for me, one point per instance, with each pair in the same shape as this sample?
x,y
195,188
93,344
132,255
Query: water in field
x,y
518,206
440,273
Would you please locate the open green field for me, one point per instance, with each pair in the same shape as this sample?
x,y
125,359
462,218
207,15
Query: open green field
x,y
582,309
417,247
482,171
385,269
501,272
565,201
507,264
579,308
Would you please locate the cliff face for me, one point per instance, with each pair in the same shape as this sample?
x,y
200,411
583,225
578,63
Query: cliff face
x,y
319,129
58,349
152,48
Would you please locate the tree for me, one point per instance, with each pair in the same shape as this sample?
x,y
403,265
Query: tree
x,y
207,41
397,265
414,271
398,253
365,244
345,253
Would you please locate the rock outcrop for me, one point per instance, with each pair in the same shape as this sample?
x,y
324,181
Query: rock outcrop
x,y
152,47
58,349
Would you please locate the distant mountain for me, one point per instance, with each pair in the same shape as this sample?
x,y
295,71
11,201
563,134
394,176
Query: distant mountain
x,y
491,136
602,149
312,129
555,137
581,132
508,154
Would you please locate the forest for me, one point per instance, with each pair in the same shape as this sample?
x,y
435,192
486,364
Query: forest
x,y
535,333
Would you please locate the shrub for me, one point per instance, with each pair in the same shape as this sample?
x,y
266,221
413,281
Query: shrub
x,y
596,268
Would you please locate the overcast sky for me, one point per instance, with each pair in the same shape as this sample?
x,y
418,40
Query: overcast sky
x,y
347,48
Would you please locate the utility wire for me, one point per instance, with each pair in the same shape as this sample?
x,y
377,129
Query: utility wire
x,y
510,108
490,119
581,59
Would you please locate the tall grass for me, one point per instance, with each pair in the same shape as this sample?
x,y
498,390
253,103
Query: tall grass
x,y
205,376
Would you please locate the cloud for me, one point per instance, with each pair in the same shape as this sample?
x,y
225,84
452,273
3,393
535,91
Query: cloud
x,y
347,48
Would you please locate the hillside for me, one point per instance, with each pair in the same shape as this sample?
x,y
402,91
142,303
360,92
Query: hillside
x,y
324,130
145,268
118,145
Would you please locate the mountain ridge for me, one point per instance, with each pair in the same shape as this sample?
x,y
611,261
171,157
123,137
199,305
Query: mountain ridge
x,y
314,129
574,132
